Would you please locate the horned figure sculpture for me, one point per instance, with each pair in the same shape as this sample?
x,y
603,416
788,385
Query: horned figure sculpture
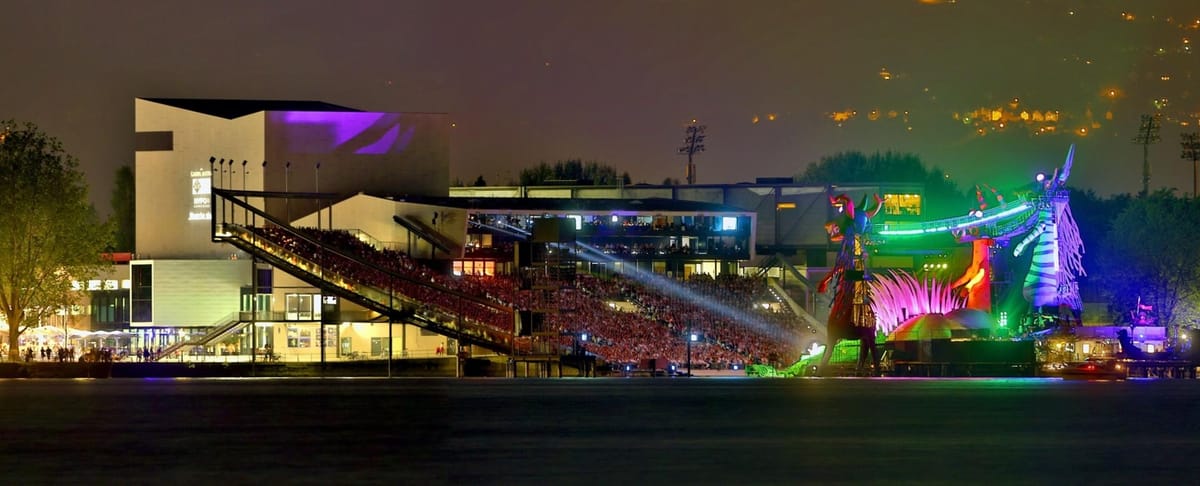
x,y
1057,260
850,315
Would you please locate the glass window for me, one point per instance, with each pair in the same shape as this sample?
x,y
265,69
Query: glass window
x,y
299,337
331,336
902,204
110,308
474,267
306,306
291,311
379,346
266,280
142,292
265,303
299,307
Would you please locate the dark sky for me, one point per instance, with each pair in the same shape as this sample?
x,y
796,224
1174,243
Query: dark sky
x,y
968,86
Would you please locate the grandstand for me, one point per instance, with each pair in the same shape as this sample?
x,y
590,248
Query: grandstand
x,y
737,328
300,231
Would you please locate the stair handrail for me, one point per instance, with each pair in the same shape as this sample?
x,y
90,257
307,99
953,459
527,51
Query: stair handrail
x,y
229,196
438,317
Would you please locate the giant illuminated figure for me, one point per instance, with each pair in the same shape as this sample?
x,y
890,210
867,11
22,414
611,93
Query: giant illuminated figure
x,y
1057,249
850,315
1048,229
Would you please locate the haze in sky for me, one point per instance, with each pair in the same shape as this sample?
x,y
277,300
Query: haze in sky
x,y
990,91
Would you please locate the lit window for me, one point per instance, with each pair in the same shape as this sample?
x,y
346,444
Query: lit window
x,y
902,204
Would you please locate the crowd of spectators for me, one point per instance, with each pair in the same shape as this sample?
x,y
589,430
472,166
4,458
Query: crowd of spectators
x,y
394,274
726,313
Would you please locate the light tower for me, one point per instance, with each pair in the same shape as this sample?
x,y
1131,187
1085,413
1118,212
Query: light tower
x,y
693,143
1191,151
1147,134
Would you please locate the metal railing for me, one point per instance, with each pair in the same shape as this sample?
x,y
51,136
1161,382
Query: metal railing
x,y
341,273
229,321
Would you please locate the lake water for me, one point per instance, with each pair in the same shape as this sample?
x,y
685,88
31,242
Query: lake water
x,y
600,431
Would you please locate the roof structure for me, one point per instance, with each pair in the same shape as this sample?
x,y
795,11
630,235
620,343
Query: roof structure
x,y
230,109
526,204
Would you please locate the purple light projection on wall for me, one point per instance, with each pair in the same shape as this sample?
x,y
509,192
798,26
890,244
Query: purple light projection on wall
x,y
347,132
387,141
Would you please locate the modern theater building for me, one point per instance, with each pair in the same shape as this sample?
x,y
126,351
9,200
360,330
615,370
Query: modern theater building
x,y
203,166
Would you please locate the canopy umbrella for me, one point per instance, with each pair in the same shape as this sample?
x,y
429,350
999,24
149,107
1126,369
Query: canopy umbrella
x,y
104,334
973,319
926,327
45,330
56,331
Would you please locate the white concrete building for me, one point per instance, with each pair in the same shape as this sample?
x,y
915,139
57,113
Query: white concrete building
x,y
183,284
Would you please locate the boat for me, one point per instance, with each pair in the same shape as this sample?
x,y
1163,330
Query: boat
x,y
1096,370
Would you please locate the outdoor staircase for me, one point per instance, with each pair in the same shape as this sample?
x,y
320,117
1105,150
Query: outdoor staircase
x,y
796,308
242,225
801,311
401,307
227,326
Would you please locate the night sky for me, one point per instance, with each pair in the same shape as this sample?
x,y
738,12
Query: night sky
x,y
990,91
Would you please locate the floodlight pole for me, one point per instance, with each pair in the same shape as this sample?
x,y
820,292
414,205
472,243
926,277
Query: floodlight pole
x,y
693,144
1147,134
1191,151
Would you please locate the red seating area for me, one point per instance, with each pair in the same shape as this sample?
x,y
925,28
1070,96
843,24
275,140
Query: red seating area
x,y
655,328
416,282
737,325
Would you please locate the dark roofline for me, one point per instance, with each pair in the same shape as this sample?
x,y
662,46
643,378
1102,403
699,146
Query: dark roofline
x,y
231,109
643,205
714,185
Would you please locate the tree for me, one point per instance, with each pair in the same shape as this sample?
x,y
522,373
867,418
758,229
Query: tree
x,y
480,182
586,173
854,166
49,234
124,210
1094,216
1151,255
942,196
537,174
